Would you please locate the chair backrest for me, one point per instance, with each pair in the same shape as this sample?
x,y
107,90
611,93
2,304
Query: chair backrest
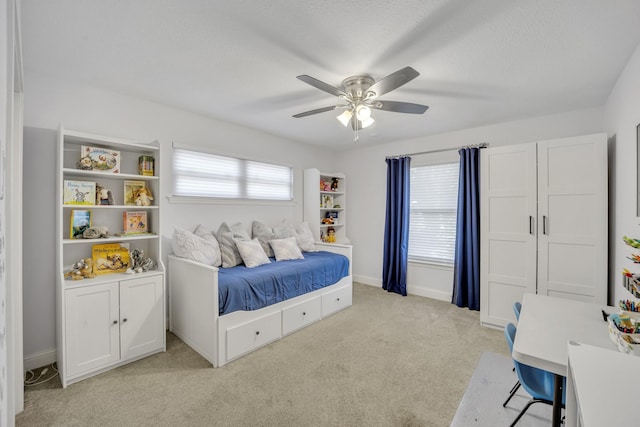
x,y
537,382
516,309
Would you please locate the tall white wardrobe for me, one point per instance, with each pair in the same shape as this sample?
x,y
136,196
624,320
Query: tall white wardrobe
x,y
543,223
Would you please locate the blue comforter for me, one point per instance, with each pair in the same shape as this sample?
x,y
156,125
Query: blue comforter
x,y
242,288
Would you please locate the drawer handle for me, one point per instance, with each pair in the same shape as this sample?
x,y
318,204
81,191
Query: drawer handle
x,y
304,313
124,320
257,332
115,322
338,299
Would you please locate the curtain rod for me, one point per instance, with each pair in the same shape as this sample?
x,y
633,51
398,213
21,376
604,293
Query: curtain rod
x,y
481,145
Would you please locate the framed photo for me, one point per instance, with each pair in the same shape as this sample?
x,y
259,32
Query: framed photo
x,y
99,159
79,221
134,223
131,190
79,193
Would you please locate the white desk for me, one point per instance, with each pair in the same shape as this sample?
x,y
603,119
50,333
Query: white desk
x,y
601,387
545,326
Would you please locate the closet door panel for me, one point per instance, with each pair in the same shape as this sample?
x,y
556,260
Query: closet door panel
x,y
507,224
572,218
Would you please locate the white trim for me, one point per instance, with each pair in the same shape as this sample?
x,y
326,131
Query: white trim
x,y
38,360
411,289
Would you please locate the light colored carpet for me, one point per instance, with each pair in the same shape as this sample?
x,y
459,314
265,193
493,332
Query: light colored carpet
x,y
386,361
481,404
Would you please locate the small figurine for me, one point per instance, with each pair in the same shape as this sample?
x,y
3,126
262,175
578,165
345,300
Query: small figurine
x,y
103,196
331,235
334,184
80,270
327,221
143,197
321,184
95,232
140,262
85,163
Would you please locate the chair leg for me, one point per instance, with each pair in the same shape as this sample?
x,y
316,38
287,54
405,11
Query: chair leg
x,y
531,402
515,388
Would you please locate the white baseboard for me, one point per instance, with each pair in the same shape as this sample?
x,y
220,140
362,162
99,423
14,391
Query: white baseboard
x,y
38,360
420,291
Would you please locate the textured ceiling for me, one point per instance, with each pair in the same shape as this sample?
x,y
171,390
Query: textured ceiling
x,y
480,62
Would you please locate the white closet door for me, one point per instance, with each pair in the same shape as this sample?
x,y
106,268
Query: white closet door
x,y
572,219
507,227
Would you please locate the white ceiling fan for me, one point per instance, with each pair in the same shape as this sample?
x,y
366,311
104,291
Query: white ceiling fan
x,y
359,95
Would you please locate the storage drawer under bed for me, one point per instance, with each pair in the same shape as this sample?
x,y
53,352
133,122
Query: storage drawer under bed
x,y
249,336
300,315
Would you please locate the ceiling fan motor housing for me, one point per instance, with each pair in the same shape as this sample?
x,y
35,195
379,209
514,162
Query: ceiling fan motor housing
x,y
356,86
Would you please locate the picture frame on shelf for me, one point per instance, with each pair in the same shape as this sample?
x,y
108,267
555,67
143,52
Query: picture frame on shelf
x,y
99,159
79,192
135,223
131,189
79,221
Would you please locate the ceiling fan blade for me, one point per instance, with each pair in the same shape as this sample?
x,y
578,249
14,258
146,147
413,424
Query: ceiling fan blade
x,y
321,85
393,81
399,107
316,111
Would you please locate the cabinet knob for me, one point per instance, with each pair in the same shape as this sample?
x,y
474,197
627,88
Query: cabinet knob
x,y
304,313
115,322
338,299
124,320
257,332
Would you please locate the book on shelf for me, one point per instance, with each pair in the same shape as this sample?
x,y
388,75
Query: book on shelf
x,y
79,192
110,258
79,220
134,223
131,190
99,159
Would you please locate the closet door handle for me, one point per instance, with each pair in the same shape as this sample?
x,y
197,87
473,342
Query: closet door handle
x,y
530,224
544,224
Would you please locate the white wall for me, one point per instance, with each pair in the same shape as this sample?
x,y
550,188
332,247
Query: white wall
x,y
622,115
366,173
49,102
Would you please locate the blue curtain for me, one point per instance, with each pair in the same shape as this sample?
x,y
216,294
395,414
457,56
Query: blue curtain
x,y
396,227
466,274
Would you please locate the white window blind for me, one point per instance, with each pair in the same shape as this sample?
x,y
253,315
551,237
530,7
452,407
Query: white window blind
x,y
434,200
198,174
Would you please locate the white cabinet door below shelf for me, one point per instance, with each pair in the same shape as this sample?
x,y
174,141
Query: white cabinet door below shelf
x,y
141,322
91,327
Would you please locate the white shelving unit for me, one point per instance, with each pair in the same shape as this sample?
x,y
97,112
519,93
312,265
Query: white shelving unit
x,y
115,318
321,203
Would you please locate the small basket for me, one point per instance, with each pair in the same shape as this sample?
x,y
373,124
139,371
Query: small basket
x,y
626,343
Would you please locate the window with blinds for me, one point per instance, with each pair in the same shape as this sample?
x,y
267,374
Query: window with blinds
x,y
198,174
434,200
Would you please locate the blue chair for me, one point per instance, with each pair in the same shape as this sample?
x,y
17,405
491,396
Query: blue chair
x,y
537,382
516,309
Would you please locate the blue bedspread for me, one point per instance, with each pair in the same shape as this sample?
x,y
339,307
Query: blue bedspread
x,y
242,288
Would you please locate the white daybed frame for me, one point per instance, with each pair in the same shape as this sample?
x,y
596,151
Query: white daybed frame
x,y
194,318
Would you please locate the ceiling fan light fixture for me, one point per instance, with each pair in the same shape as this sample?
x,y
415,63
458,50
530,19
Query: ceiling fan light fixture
x,y
366,123
345,117
363,112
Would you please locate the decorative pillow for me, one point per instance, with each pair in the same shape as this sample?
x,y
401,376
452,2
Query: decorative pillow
x,y
284,230
304,238
263,234
286,249
207,234
227,237
252,253
188,245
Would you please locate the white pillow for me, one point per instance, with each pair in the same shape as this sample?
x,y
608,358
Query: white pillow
x,y
284,230
252,253
188,245
304,238
206,233
286,249
227,237
263,234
